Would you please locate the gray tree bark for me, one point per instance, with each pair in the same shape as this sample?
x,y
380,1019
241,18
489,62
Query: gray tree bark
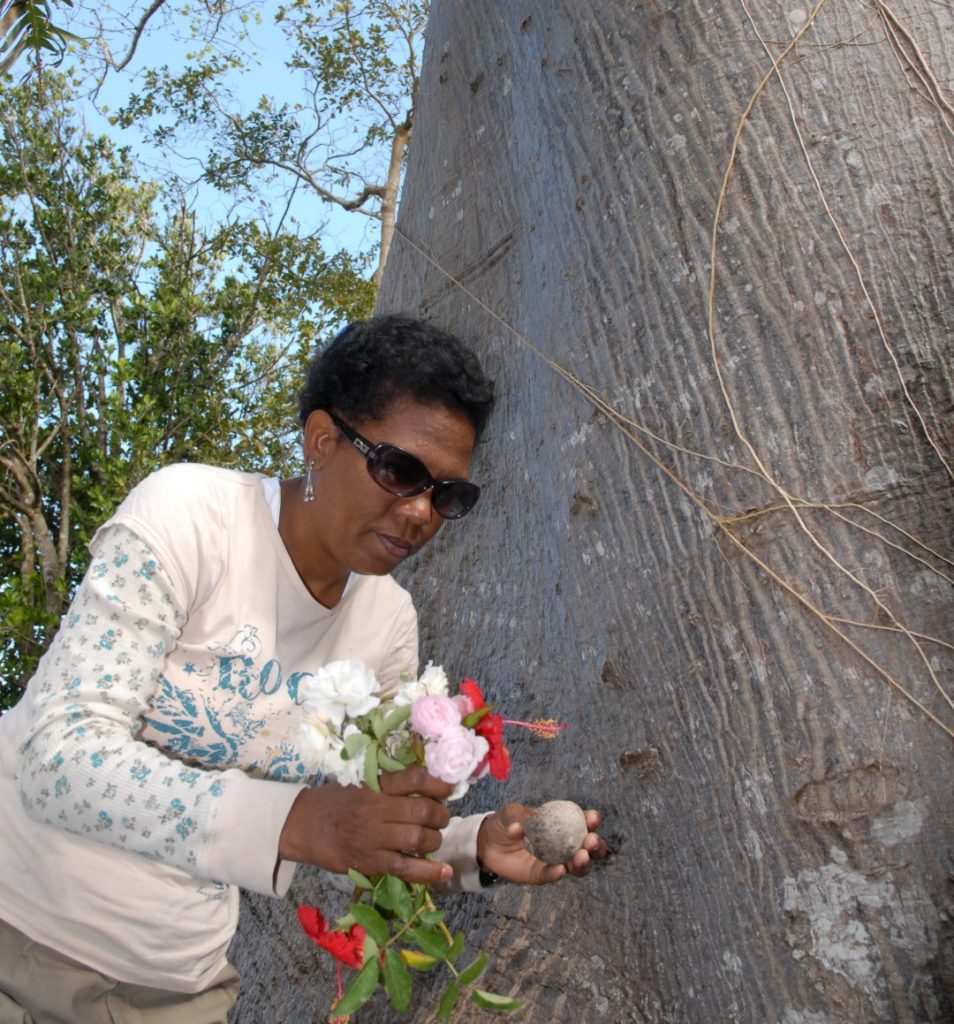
x,y
716,530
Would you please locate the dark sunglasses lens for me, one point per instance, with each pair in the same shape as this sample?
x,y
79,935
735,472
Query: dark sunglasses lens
x,y
403,474
397,471
455,498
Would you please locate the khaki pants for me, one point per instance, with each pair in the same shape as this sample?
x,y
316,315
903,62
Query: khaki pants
x,y
39,986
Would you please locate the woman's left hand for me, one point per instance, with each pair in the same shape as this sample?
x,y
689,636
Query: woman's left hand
x,y
500,848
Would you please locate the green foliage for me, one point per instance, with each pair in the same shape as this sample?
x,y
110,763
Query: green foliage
x,y
397,980
130,337
448,1001
402,929
31,26
361,55
361,989
493,1001
405,930
354,70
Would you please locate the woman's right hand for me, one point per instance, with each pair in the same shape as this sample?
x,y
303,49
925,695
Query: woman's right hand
x,y
340,827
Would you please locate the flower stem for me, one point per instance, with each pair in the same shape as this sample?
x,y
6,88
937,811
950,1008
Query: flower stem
x,y
444,930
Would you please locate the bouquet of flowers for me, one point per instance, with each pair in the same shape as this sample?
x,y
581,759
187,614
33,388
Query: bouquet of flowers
x,y
352,732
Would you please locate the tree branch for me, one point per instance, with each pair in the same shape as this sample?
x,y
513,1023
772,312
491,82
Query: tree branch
x,y
137,35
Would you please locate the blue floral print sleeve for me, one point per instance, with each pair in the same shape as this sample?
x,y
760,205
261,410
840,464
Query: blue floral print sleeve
x,y
81,766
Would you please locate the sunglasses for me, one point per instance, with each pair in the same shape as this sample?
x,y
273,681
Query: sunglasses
x,y
401,473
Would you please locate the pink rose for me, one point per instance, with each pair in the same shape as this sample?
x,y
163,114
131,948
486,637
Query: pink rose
x,y
433,715
455,756
465,704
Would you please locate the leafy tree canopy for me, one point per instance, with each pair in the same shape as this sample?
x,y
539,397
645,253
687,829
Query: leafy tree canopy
x,y
130,336
317,95
152,317
28,24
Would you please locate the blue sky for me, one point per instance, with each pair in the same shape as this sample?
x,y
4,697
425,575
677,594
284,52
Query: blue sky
x,y
165,43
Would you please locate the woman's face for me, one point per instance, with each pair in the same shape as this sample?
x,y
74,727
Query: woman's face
x,y
359,526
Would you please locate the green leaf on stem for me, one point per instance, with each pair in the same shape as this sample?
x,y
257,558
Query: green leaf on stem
x,y
399,897
396,718
388,763
474,717
456,947
397,980
405,752
448,999
353,745
377,724
431,941
371,768
473,971
361,988
418,960
492,1001
381,899
358,880
431,917
371,921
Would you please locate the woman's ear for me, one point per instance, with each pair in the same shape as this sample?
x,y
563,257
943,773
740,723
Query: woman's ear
x,y
320,437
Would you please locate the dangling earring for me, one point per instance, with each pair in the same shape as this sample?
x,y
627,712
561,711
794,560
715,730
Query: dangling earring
x,y
309,484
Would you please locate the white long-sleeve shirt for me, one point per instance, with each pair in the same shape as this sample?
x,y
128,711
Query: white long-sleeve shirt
x,y
149,768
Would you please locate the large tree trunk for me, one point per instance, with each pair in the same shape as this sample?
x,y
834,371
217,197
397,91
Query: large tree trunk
x,y
728,565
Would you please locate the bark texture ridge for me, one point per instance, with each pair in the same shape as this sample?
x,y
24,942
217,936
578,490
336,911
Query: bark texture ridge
x,y
706,251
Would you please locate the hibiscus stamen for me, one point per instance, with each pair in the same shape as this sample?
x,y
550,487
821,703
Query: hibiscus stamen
x,y
545,728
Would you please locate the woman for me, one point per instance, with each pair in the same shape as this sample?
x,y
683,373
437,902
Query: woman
x,y
151,768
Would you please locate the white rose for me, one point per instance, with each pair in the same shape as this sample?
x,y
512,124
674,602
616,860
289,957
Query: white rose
x,y
340,689
315,739
432,680
409,693
347,773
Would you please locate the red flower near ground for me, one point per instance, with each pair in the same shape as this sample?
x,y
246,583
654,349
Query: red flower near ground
x,y
490,727
347,947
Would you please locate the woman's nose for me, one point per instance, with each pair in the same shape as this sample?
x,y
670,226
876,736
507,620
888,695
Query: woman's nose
x,y
418,508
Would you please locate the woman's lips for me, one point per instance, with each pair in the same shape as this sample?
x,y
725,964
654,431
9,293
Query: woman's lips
x,y
394,545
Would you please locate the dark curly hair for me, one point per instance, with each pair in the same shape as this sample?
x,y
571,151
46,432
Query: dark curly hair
x,y
371,363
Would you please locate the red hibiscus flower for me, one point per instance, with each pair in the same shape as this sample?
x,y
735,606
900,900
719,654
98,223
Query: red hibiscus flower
x,y
473,693
490,727
347,947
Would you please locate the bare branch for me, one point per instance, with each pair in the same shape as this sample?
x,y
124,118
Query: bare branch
x,y
137,34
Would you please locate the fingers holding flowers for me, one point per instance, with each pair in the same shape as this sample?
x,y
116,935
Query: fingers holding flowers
x,y
415,781
336,828
395,757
